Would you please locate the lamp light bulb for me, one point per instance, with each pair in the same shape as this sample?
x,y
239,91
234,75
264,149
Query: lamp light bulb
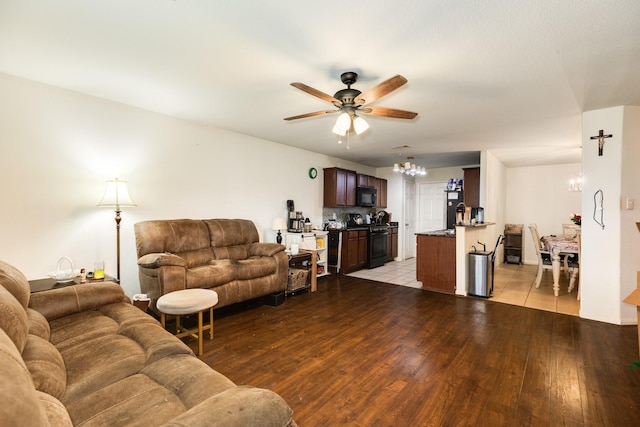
x,y
360,125
343,123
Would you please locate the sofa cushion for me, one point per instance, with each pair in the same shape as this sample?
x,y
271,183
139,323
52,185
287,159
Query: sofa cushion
x,y
38,325
55,411
232,252
231,232
98,362
215,273
136,400
14,281
68,332
46,366
197,257
13,319
178,235
255,267
20,402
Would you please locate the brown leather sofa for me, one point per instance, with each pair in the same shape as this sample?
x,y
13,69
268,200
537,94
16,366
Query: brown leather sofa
x,y
224,255
84,355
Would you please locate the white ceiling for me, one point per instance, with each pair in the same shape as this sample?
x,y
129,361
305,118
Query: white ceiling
x,y
508,76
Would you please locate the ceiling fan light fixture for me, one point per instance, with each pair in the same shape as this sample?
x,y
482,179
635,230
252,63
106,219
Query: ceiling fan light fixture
x,y
338,131
343,123
360,125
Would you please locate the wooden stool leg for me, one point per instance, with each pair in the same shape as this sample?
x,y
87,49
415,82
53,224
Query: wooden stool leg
x,y
211,323
178,325
200,333
162,320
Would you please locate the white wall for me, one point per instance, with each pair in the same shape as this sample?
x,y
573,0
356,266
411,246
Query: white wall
x,y
539,194
57,149
610,254
493,190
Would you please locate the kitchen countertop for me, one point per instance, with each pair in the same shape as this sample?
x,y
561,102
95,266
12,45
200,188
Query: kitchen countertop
x,y
451,233
437,233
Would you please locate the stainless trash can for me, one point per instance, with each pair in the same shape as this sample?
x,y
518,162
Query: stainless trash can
x,y
480,274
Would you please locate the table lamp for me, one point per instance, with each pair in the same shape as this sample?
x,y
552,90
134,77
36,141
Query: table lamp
x,y
278,225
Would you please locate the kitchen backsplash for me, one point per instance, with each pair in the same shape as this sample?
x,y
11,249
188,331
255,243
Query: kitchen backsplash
x,y
342,214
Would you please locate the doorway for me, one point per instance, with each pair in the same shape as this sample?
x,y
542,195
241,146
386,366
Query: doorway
x,y
431,206
409,219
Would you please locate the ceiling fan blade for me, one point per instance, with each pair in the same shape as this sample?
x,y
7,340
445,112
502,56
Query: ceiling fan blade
x,y
315,92
388,112
316,113
380,90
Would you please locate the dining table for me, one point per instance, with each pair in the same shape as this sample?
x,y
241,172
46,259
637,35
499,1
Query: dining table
x,y
558,247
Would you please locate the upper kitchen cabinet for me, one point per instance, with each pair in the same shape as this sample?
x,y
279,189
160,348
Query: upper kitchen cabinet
x,y
472,187
366,180
339,187
382,193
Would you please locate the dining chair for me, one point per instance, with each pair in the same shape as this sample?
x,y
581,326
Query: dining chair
x,y
544,256
570,231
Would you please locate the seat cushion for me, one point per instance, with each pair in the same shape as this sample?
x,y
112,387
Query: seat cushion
x,y
215,273
255,267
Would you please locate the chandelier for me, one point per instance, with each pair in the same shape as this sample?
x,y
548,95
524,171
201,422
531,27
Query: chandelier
x,y
575,184
409,168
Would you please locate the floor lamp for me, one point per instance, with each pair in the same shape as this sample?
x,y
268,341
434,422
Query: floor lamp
x,y
117,196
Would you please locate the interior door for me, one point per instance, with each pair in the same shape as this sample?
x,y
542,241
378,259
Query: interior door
x,y
409,219
431,206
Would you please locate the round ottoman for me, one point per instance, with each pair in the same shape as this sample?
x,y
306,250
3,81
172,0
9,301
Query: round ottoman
x,y
189,301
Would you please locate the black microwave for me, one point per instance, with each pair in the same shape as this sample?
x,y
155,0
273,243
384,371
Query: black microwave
x,y
366,197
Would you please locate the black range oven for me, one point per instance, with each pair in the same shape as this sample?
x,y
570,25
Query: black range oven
x,y
378,245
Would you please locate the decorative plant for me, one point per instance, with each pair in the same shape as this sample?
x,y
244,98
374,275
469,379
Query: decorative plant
x,y
576,218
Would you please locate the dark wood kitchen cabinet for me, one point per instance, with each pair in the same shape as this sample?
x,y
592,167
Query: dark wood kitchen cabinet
x,y
382,193
392,244
354,250
471,187
339,187
436,263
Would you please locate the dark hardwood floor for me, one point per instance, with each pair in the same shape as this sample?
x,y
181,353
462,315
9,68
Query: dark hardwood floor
x,y
364,353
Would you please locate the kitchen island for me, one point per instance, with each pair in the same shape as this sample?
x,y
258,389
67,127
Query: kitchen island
x,y
436,261
441,263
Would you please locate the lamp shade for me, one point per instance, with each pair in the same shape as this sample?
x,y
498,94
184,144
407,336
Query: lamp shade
x,y
279,224
360,125
116,195
344,122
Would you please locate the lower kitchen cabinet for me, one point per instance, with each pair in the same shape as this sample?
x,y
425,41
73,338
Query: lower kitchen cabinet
x,y
392,244
354,250
436,263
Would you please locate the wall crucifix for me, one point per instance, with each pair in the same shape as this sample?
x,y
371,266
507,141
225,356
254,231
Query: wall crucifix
x,y
601,137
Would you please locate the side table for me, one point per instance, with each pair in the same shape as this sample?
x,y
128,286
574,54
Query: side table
x,y
40,285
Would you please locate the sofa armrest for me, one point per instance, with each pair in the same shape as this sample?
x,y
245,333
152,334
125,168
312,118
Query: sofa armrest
x,y
156,260
238,406
56,303
265,249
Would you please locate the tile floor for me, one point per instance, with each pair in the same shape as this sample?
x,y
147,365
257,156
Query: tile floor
x,y
513,284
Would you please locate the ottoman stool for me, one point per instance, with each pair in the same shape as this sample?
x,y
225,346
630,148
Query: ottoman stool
x,y
189,301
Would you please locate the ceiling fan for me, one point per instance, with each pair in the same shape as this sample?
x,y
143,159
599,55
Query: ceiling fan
x,y
351,101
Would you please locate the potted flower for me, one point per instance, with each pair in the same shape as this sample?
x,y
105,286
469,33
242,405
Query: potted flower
x,y
576,219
